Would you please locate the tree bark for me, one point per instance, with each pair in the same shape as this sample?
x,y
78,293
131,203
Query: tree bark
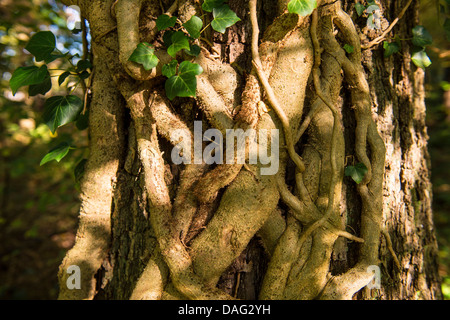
x,y
239,236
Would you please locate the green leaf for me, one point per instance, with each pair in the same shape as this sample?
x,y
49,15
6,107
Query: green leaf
x,y
60,110
62,77
41,88
421,59
145,54
82,122
164,21
194,26
349,48
357,172
184,84
224,17
24,76
360,8
83,65
53,57
209,5
41,45
179,42
421,37
390,48
302,7
57,153
170,69
84,75
194,50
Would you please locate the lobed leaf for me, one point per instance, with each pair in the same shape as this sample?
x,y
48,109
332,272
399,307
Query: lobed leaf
x,y
194,26
144,54
179,42
60,110
164,21
357,172
224,17
302,7
183,84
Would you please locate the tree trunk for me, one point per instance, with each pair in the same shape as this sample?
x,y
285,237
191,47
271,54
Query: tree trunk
x,y
150,229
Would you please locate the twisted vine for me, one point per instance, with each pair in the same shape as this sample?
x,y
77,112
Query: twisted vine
x,y
194,248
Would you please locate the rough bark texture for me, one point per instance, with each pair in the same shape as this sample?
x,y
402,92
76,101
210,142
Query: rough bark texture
x,y
242,232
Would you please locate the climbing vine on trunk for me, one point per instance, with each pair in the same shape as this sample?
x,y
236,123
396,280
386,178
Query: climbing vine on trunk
x,y
163,64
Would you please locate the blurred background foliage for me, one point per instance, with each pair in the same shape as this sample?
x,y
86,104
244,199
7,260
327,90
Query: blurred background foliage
x,y
39,204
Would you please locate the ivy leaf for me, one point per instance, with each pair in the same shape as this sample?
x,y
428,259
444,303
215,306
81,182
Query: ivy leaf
x,y
62,77
349,48
41,88
24,76
302,7
41,45
357,172
145,54
194,26
57,153
390,48
83,65
82,122
224,17
360,8
194,50
164,21
53,57
167,38
60,110
184,84
179,42
421,37
421,59
170,69
209,5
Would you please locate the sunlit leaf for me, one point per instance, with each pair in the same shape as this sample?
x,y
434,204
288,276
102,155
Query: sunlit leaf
x,y
194,26
183,84
224,17
57,153
302,7
421,59
144,54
